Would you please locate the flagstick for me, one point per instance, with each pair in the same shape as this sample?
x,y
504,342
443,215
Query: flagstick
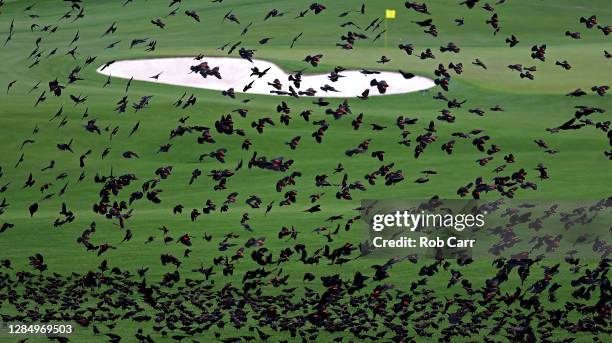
x,y
386,30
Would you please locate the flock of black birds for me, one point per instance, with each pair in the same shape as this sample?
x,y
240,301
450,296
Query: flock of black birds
x,y
186,304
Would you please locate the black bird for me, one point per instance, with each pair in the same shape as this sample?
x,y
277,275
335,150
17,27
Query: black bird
x,y
193,15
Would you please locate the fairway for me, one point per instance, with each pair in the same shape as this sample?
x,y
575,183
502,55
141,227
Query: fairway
x,y
151,209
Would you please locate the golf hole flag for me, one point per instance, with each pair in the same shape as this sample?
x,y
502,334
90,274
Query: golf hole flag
x,y
390,14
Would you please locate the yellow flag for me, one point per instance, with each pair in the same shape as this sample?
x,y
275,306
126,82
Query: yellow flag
x,y
390,14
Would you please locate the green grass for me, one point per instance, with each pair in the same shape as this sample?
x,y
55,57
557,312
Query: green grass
x,y
579,172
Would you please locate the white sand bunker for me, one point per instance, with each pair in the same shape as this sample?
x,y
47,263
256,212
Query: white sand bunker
x,y
223,73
